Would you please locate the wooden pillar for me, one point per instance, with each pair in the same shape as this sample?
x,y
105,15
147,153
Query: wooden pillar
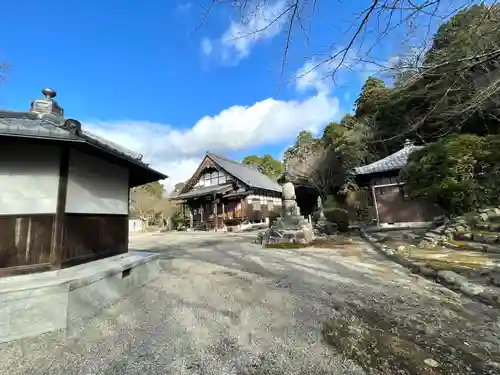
x,y
375,204
223,211
57,242
215,213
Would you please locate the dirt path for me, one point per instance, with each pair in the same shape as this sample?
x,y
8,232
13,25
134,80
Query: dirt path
x,y
225,306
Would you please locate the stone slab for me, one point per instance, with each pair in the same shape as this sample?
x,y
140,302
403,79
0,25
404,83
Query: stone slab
x,y
38,303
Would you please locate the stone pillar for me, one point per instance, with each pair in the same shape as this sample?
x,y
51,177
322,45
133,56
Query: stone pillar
x,y
190,218
289,205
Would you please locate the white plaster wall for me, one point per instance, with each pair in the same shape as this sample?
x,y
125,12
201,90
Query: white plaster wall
x,y
263,199
96,186
29,179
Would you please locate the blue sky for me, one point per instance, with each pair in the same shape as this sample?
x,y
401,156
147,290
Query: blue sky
x,y
147,76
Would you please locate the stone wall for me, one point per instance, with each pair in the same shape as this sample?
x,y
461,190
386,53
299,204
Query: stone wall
x,y
482,226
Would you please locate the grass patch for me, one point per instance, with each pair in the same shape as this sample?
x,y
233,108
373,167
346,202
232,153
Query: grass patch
x,y
331,242
458,243
319,242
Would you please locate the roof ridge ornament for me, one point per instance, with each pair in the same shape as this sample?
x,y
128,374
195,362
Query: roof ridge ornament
x,y
71,125
47,104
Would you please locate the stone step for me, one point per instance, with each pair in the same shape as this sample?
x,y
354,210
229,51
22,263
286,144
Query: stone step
x,y
470,245
480,237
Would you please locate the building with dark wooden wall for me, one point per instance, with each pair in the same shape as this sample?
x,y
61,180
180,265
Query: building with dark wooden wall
x,y
64,192
388,197
223,189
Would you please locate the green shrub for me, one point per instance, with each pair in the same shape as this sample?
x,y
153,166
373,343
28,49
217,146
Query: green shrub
x,y
338,216
330,202
461,173
231,222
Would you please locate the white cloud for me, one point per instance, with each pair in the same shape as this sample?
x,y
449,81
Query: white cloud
x,y
260,22
207,46
178,152
184,7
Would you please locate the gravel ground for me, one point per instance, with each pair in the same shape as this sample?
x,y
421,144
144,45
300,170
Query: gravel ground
x,y
225,306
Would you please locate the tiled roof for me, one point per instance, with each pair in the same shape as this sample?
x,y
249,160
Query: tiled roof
x,y
48,126
245,173
390,163
32,125
203,191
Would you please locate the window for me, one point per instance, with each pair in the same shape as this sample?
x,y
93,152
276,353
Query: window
x,y
214,178
256,204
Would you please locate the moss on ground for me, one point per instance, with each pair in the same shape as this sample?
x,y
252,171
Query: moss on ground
x,y
458,243
285,245
384,345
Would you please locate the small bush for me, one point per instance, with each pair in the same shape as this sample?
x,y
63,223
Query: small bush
x,y
231,222
338,216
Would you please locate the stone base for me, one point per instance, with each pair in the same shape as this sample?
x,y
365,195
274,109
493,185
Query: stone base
x,y
38,303
303,236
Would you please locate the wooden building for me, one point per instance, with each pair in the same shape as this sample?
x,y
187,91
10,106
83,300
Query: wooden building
x,y
391,204
223,189
64,192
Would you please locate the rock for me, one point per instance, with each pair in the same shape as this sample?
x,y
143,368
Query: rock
x,y
463,236
482,226
478,238
495,281
451,277
471,289
425,244
427,271
495,218
431,362
490,238
484,216
401,248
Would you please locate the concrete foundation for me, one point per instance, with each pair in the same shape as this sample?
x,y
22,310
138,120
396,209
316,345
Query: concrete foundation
x,y
38,303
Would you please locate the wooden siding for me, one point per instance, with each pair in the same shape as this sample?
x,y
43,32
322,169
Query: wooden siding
x,y
25,241
90,237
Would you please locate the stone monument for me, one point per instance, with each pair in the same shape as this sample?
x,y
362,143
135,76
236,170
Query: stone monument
x,y
291,227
